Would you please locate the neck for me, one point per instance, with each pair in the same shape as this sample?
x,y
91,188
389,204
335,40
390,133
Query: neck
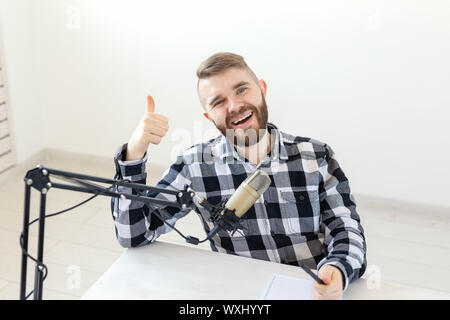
x,y
255,153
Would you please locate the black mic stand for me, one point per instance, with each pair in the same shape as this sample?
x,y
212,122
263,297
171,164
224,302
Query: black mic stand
x,y
39,179
223,218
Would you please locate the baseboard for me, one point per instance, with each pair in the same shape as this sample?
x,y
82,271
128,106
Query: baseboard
x,y
19,170
397,205
82,158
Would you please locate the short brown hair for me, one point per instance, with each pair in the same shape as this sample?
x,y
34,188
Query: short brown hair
x,y
220,62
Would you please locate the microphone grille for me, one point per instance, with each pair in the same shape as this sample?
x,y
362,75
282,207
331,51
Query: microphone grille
x,y
259,181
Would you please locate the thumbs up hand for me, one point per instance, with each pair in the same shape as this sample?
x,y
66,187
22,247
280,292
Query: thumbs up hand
x,y
151,129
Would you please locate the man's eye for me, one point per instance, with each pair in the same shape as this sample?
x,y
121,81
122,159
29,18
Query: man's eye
x,y
218,103
240,90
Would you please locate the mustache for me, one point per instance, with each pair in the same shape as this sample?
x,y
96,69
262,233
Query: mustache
x,y
243,110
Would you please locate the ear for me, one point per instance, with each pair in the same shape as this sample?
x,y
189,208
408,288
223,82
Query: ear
x,y
263,86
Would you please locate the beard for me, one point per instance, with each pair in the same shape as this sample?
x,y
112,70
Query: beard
x,y
249,136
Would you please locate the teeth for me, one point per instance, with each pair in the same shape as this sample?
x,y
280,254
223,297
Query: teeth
x,y
243,118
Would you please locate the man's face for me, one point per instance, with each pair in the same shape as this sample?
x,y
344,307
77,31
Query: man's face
x,y
235,101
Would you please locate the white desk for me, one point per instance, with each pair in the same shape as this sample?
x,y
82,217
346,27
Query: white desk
x,y
168,271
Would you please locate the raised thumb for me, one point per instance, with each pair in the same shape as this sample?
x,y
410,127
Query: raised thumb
x,y
150,104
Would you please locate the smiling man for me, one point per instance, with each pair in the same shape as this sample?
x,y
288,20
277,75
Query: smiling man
x,y
307,215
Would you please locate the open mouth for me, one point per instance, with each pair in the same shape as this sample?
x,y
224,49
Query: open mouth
x,y
243,119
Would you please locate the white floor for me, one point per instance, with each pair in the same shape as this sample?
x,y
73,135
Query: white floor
x,y
407,243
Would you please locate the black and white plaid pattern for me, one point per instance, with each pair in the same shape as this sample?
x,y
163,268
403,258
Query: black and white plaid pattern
x,y
306,216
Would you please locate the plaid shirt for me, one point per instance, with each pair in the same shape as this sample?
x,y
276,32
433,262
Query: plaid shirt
x,y
307,215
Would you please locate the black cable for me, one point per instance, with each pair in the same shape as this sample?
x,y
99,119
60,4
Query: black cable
x,y
52,215
188,239
156,213
32,291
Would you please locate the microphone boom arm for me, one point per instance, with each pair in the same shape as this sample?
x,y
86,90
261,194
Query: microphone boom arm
x,y
39,179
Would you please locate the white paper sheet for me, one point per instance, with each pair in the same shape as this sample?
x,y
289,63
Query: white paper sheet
x,y
281,287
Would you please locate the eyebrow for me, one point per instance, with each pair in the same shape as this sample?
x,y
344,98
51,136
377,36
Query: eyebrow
x,y
237,85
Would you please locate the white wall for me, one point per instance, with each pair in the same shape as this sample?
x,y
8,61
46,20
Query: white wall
x,y
371,78
16,26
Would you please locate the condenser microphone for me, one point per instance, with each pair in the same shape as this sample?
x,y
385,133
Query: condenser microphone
x,y
240,202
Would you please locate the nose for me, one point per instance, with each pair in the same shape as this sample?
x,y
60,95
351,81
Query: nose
x,y
234,105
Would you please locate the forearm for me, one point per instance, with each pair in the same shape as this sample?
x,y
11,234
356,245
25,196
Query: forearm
x,y
344,235
131,218
346,249
137,223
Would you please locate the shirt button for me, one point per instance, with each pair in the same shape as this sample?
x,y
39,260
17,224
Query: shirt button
x,y
301,197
